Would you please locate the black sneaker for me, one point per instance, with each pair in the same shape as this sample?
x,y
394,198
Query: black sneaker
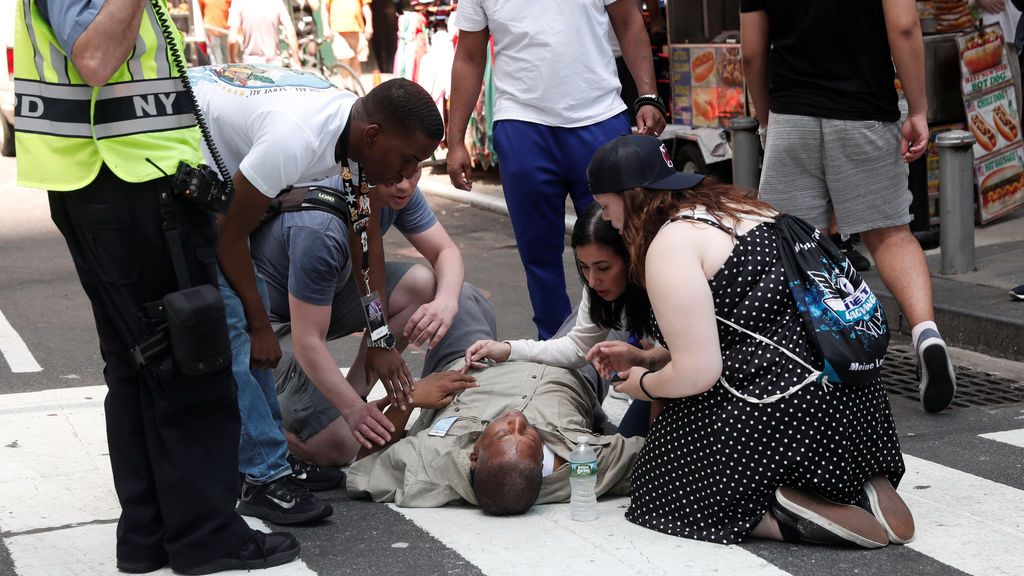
x,y
859,261
935,372
282,501
1018,292
259,551
805,517
313,477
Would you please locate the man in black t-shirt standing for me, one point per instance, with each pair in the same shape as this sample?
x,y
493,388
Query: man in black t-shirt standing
x,y
822,79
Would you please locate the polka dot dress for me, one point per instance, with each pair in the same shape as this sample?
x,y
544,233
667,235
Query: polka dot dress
x,y
712,461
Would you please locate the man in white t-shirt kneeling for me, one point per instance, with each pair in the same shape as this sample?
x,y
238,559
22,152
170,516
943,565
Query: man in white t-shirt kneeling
x,y
274,128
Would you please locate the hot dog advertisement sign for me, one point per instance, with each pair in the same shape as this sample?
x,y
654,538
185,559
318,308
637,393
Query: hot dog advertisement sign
x,y
993,116
707,84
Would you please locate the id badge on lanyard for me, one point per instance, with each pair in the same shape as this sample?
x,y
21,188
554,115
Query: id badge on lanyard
x,y
359,216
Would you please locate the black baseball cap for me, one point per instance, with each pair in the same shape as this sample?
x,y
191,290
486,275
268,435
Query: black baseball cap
x,y
632,161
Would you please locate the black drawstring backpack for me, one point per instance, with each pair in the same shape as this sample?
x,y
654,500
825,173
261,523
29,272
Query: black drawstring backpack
x,y
841,313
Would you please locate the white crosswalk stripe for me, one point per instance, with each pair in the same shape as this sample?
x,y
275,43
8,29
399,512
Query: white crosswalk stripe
x,y
1012,437
557,545
968,522
58,512
14,350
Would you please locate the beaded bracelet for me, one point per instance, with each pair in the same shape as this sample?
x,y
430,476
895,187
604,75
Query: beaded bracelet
x,y
650,100
649,395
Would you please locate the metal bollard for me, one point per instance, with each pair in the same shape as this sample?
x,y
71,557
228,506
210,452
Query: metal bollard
x,y
956,201
746,171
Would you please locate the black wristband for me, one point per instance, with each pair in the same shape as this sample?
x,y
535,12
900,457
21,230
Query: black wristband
x,y
649,395
650,100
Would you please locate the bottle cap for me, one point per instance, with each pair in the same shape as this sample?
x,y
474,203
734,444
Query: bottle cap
x,y
583,439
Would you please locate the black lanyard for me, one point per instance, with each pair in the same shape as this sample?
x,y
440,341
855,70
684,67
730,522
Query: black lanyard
x,y
359,213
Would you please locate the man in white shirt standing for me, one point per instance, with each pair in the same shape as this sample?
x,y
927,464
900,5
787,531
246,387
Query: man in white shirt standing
x,y
254,36
557,102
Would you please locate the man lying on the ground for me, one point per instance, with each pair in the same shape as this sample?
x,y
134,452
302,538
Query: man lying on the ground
x,y
502,445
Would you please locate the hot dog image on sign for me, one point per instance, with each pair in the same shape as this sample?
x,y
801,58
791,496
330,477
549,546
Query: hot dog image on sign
x,y
983,65
994,121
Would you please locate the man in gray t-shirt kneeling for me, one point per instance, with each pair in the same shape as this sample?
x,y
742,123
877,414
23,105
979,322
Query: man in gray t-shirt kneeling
x,y
306,261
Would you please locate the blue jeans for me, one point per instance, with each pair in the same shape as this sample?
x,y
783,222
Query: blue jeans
x,y
262,448
540,166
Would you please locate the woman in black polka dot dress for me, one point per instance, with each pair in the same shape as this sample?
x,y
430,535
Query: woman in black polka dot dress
x,y
748,442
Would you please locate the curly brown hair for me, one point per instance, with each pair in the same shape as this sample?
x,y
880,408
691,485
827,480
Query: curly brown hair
x,y
646,210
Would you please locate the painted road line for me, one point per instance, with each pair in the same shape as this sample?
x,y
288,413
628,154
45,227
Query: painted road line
x,y
89,551
545,541
1012,437
963,520
17,354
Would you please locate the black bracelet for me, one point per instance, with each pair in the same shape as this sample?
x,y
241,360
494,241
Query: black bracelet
x,y
649,395
650,100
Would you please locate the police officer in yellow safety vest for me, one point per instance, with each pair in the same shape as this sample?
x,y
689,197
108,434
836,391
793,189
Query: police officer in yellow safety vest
x,y
102,117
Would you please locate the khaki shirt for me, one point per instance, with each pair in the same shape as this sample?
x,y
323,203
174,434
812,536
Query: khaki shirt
x,y
422,471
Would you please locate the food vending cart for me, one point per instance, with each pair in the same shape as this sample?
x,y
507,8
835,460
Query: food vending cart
x,y
708,91
706,80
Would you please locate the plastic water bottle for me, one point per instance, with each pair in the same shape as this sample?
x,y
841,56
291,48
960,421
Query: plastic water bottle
x,y
583,481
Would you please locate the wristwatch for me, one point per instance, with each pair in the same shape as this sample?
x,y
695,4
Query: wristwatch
x,y
387,342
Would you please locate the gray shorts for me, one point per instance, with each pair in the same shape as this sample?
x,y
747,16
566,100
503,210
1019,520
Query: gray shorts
x,y
817,167
304,410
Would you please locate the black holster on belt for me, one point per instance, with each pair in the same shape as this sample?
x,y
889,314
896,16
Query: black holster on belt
x,y
198,330
195,318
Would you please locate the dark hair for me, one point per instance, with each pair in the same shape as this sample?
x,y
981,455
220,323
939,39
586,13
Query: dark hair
x,y
506,486
645,211
403,104
591,228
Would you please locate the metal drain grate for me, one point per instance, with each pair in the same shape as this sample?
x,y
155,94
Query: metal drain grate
x,y
973,387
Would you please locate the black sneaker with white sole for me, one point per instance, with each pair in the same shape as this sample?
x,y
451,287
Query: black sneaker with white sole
x,y
1017,293
313,477
283,502
806,517
934,372
848,247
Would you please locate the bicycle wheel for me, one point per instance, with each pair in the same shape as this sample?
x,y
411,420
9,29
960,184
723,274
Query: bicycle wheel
x,y
345,78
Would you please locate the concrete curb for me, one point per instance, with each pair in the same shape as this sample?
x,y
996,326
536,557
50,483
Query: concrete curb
x,y
978,318
476,199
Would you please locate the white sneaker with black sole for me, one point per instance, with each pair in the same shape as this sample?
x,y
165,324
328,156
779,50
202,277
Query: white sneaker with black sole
x,y
935,372
283,502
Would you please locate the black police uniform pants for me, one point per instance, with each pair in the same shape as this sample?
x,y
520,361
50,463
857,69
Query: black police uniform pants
x,y
173,439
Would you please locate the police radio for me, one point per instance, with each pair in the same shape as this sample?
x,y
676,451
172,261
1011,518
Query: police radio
x,y
200,184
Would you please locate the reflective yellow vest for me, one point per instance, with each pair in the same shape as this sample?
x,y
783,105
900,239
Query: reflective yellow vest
x,y
65,130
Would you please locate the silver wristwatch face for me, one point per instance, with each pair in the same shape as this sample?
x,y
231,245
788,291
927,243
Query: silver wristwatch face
x,y
387,342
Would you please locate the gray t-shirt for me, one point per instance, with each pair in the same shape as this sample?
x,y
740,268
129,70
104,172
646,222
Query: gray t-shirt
x,y
306,253
69,18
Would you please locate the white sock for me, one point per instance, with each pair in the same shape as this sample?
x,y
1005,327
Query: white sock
x,y
915,333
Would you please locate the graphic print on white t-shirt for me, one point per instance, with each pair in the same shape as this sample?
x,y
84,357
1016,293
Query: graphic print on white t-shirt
x,y
276,125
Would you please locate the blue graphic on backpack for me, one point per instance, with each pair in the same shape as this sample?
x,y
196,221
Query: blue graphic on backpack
x,y
839,310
